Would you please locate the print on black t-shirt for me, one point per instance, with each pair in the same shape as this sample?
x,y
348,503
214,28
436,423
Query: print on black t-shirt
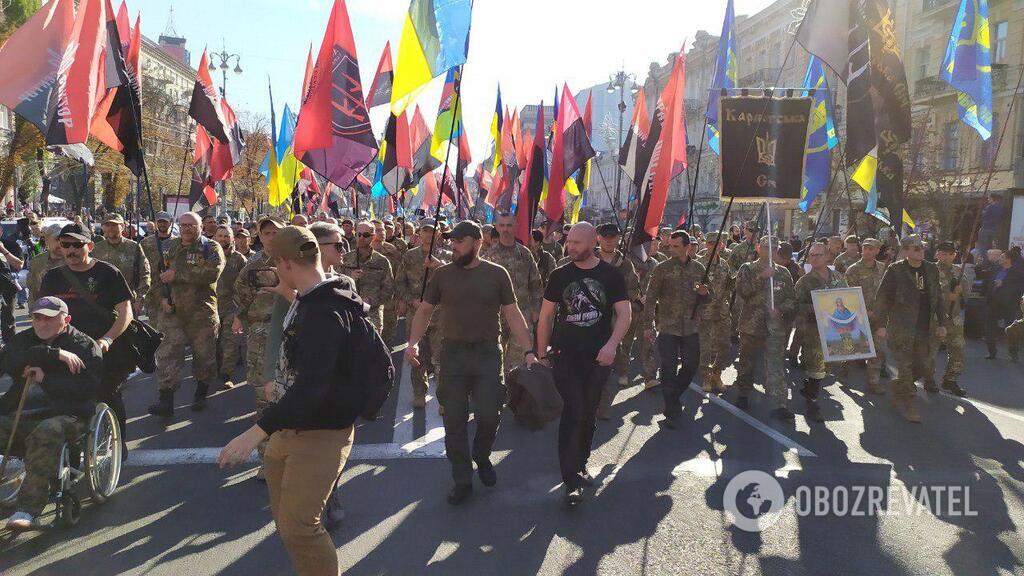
x,y
584,307
583,322
106,287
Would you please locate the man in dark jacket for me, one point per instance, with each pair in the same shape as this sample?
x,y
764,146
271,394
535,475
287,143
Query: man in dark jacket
x,y
311,423
62,367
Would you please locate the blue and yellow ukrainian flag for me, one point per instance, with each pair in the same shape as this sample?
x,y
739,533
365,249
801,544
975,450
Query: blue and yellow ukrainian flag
x,y
967,66
726,74
822,136
435,39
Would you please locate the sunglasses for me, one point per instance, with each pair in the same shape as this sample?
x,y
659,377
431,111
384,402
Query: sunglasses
x,y
75,245
365,234
339,246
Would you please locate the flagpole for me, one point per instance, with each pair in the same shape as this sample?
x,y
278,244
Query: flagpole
x,y
457,89
608,194
696,173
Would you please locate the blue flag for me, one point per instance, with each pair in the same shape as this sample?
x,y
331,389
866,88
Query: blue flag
x,y
967,66
726,74
822,135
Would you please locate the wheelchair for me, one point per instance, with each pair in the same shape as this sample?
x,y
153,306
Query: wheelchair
x,y
94,457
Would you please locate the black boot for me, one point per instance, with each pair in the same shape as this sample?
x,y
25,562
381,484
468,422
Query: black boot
x,y
811,388
165,406
199,400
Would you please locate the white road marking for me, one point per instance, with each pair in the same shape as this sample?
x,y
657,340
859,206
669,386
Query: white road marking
x,y
184,456
756,424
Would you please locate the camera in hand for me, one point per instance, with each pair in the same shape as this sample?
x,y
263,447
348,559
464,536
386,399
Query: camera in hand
x,y
263,277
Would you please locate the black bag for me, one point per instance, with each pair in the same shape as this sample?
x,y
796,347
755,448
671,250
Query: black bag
x,y
374,368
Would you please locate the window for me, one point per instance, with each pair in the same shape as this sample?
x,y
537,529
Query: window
x,y
951,146
923,55
1002,28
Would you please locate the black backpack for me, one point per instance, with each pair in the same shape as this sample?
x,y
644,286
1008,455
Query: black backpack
x,y
373,367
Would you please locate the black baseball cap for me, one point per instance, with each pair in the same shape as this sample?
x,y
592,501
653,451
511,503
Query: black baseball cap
x,y
466,228
76,231
608,229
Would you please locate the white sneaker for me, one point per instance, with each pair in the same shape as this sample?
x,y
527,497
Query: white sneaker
x,y
20,521
623,381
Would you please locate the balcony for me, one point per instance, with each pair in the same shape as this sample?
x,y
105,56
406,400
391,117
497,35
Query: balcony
x,y
765,77
935,87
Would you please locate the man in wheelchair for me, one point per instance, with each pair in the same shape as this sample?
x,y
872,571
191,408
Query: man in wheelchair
x,y
61,367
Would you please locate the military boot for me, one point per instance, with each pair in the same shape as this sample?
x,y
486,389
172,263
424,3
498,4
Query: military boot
x,y
953,388
909,410
199,399
165,406
419,397
717,384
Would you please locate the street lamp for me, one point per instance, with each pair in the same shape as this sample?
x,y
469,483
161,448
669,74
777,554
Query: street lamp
x,y
225,59
619,81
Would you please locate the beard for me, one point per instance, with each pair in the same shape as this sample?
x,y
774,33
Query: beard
x,y
581,256
464,260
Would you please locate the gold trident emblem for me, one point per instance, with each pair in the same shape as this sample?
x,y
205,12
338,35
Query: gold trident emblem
x,y
766,151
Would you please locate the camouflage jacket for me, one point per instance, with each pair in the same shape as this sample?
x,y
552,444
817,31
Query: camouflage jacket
x,y
741,253
810,282
522,268
545,264
377,285
197,267
868,277
392,253
253,307
226,282
556,250
409,281
897,303
149,248
843,262
754,316
948,277
720,279
127,256
37,268
400,244
671,296
643,269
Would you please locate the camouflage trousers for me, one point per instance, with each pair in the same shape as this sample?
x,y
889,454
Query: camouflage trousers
x,y
798,338
430,359
229,347
955,344
715,344
874,365
200,333
912,354
42,441
770,350
389,322
376,317
255,352
645,349
512,350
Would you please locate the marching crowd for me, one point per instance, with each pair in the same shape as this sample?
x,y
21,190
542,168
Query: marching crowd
x,y
285,298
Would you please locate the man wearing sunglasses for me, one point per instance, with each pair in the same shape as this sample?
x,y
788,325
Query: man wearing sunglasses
x,y
375,280
99,303
910,312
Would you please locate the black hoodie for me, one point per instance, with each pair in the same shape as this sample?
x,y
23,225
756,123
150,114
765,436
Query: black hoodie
x,y
317,346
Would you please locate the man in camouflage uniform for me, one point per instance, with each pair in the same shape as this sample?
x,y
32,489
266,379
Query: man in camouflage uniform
x,y
911,313
821,277
674,290
951,290
190,315
745,251
851,255
253,309
43,263
867,274
552,245
716,317
125,255
522,268
229,342
608,237
157,290
394,256
637,333
545,261
408,288
761,326
375,281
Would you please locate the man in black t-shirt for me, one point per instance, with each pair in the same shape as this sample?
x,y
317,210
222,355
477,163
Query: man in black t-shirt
x,y
576,319
99,303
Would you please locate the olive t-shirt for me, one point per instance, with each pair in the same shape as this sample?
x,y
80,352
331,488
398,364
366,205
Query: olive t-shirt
x,y
471,300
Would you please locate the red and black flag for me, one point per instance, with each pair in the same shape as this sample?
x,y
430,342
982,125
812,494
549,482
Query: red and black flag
x,y
464,203
420,141
663,156
227,155
533,182
631,151
570,151
333,136
118,121
380,89
202,194
205,107
396,161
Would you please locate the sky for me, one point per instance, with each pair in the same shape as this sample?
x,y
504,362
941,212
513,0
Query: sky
x,y
529,46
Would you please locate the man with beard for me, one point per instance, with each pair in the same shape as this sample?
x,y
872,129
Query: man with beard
x,y
154,254
577,312
242,243
375,280
209,227
125,255
471,293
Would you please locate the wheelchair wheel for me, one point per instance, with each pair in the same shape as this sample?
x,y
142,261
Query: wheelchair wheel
x,y
11,483
103,454
69,510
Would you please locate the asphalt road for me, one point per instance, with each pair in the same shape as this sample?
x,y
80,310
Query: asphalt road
x,y
658,508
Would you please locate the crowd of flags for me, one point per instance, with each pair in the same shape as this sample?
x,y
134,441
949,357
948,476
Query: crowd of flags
x,y
73,70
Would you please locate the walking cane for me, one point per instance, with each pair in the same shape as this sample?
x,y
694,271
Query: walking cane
x,y
14,430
